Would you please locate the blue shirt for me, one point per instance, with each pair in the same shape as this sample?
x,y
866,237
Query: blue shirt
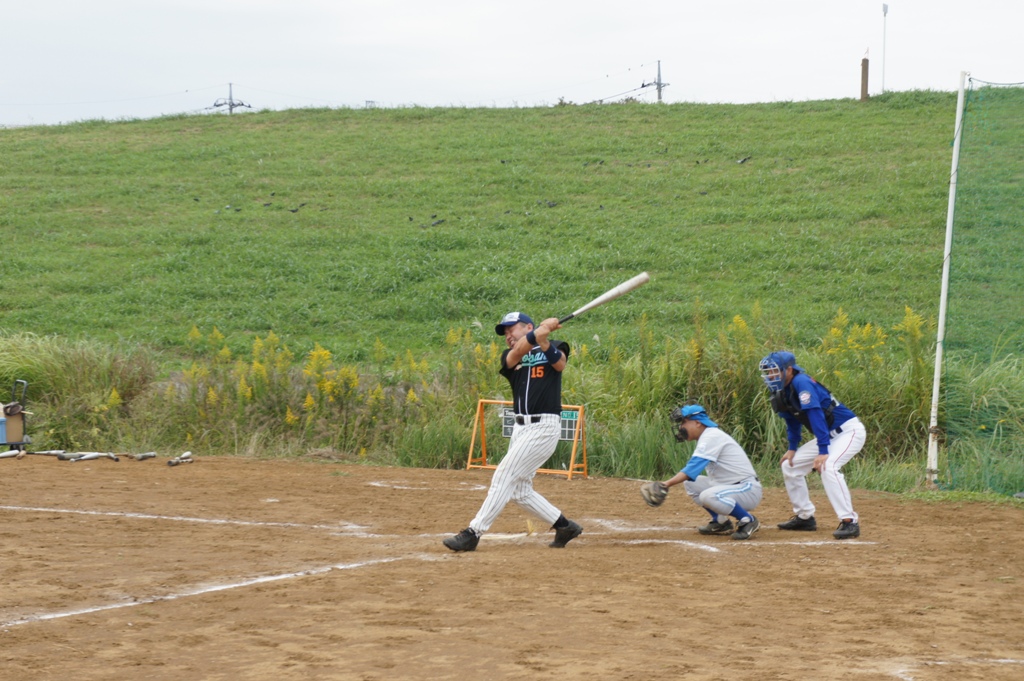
x,y
813,398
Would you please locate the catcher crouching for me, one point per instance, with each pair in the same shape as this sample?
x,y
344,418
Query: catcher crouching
x,y
718,477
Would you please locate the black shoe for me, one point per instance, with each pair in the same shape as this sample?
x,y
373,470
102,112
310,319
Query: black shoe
x,y
800,524
716,528
463,541
564,535
744,530
847,530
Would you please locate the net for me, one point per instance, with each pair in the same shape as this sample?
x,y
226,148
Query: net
x,y
984,338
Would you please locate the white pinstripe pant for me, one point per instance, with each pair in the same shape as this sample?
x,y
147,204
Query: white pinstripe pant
x,y
843,447
531,445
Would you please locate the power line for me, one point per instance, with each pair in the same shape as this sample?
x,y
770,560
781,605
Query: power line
x,y
231,103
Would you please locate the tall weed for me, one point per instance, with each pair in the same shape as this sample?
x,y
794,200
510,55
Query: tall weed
x,y
402,409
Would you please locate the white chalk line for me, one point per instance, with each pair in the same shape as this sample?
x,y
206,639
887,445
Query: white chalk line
x,y
681,542
466,486
906,673
198,591
755,540
351,528
624,526
354,530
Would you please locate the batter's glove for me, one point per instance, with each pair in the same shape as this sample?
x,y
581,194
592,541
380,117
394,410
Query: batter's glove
x,y
654,493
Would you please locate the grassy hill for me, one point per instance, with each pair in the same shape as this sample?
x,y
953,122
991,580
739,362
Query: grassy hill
x,y
326,281
344,226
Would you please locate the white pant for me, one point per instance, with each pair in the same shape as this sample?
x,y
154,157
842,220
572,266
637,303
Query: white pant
x,y
531,445
723,498
843,447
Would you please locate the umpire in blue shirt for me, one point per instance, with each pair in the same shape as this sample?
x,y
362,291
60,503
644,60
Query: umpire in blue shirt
x,y
838,434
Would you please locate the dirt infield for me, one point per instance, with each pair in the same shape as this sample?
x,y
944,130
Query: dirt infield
x,y
244,569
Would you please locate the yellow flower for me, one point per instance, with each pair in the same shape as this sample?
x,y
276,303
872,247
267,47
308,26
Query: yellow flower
x,y
376,397
114,400
319,359
216,337
244,389
257,348
380,353
309,404
912,326
290,417
259,371
194,336
211,397
225,354
350,377
410,397
283,358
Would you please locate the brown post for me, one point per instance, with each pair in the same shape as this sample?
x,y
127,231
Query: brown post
x,y
864,79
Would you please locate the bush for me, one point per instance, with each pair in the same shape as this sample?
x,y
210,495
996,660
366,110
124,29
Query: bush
x,y
411,411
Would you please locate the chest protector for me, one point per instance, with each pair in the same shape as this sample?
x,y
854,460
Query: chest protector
x,y
786,401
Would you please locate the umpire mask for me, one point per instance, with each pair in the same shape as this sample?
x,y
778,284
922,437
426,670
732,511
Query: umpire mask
x,y
678,421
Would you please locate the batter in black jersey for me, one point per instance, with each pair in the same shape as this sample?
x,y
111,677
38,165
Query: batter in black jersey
x,y
533,365
536,383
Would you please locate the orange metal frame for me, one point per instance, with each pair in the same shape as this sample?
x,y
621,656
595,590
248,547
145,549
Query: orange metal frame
x,y
579,438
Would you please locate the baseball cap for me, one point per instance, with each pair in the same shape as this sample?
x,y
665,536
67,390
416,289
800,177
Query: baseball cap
x,y
511,319
696,413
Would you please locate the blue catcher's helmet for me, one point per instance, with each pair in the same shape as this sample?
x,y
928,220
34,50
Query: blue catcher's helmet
x,y
774,366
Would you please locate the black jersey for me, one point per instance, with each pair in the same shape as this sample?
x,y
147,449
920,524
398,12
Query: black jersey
x,y
536,387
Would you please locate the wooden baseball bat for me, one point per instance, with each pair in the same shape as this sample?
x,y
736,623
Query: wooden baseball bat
x,y
625,287
89,456
183,458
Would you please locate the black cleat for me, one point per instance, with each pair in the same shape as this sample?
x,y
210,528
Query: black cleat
x,y
746,529
800,524
564,535
463,541
847,530
716,527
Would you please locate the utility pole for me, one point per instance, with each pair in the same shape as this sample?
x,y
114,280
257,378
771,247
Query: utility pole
x,y
231,103
659,83
864,79
885,13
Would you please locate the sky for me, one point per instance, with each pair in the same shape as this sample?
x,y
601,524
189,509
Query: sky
x,y
63,61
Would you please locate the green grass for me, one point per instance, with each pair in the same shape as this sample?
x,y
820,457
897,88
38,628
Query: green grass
x,y
396,238
419,220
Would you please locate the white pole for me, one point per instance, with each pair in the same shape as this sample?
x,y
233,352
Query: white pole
x,y
933,428
885,13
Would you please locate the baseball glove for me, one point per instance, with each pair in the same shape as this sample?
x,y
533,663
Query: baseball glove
x,y
654,493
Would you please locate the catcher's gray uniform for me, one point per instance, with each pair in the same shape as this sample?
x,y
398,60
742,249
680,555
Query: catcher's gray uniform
x,y
729,477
